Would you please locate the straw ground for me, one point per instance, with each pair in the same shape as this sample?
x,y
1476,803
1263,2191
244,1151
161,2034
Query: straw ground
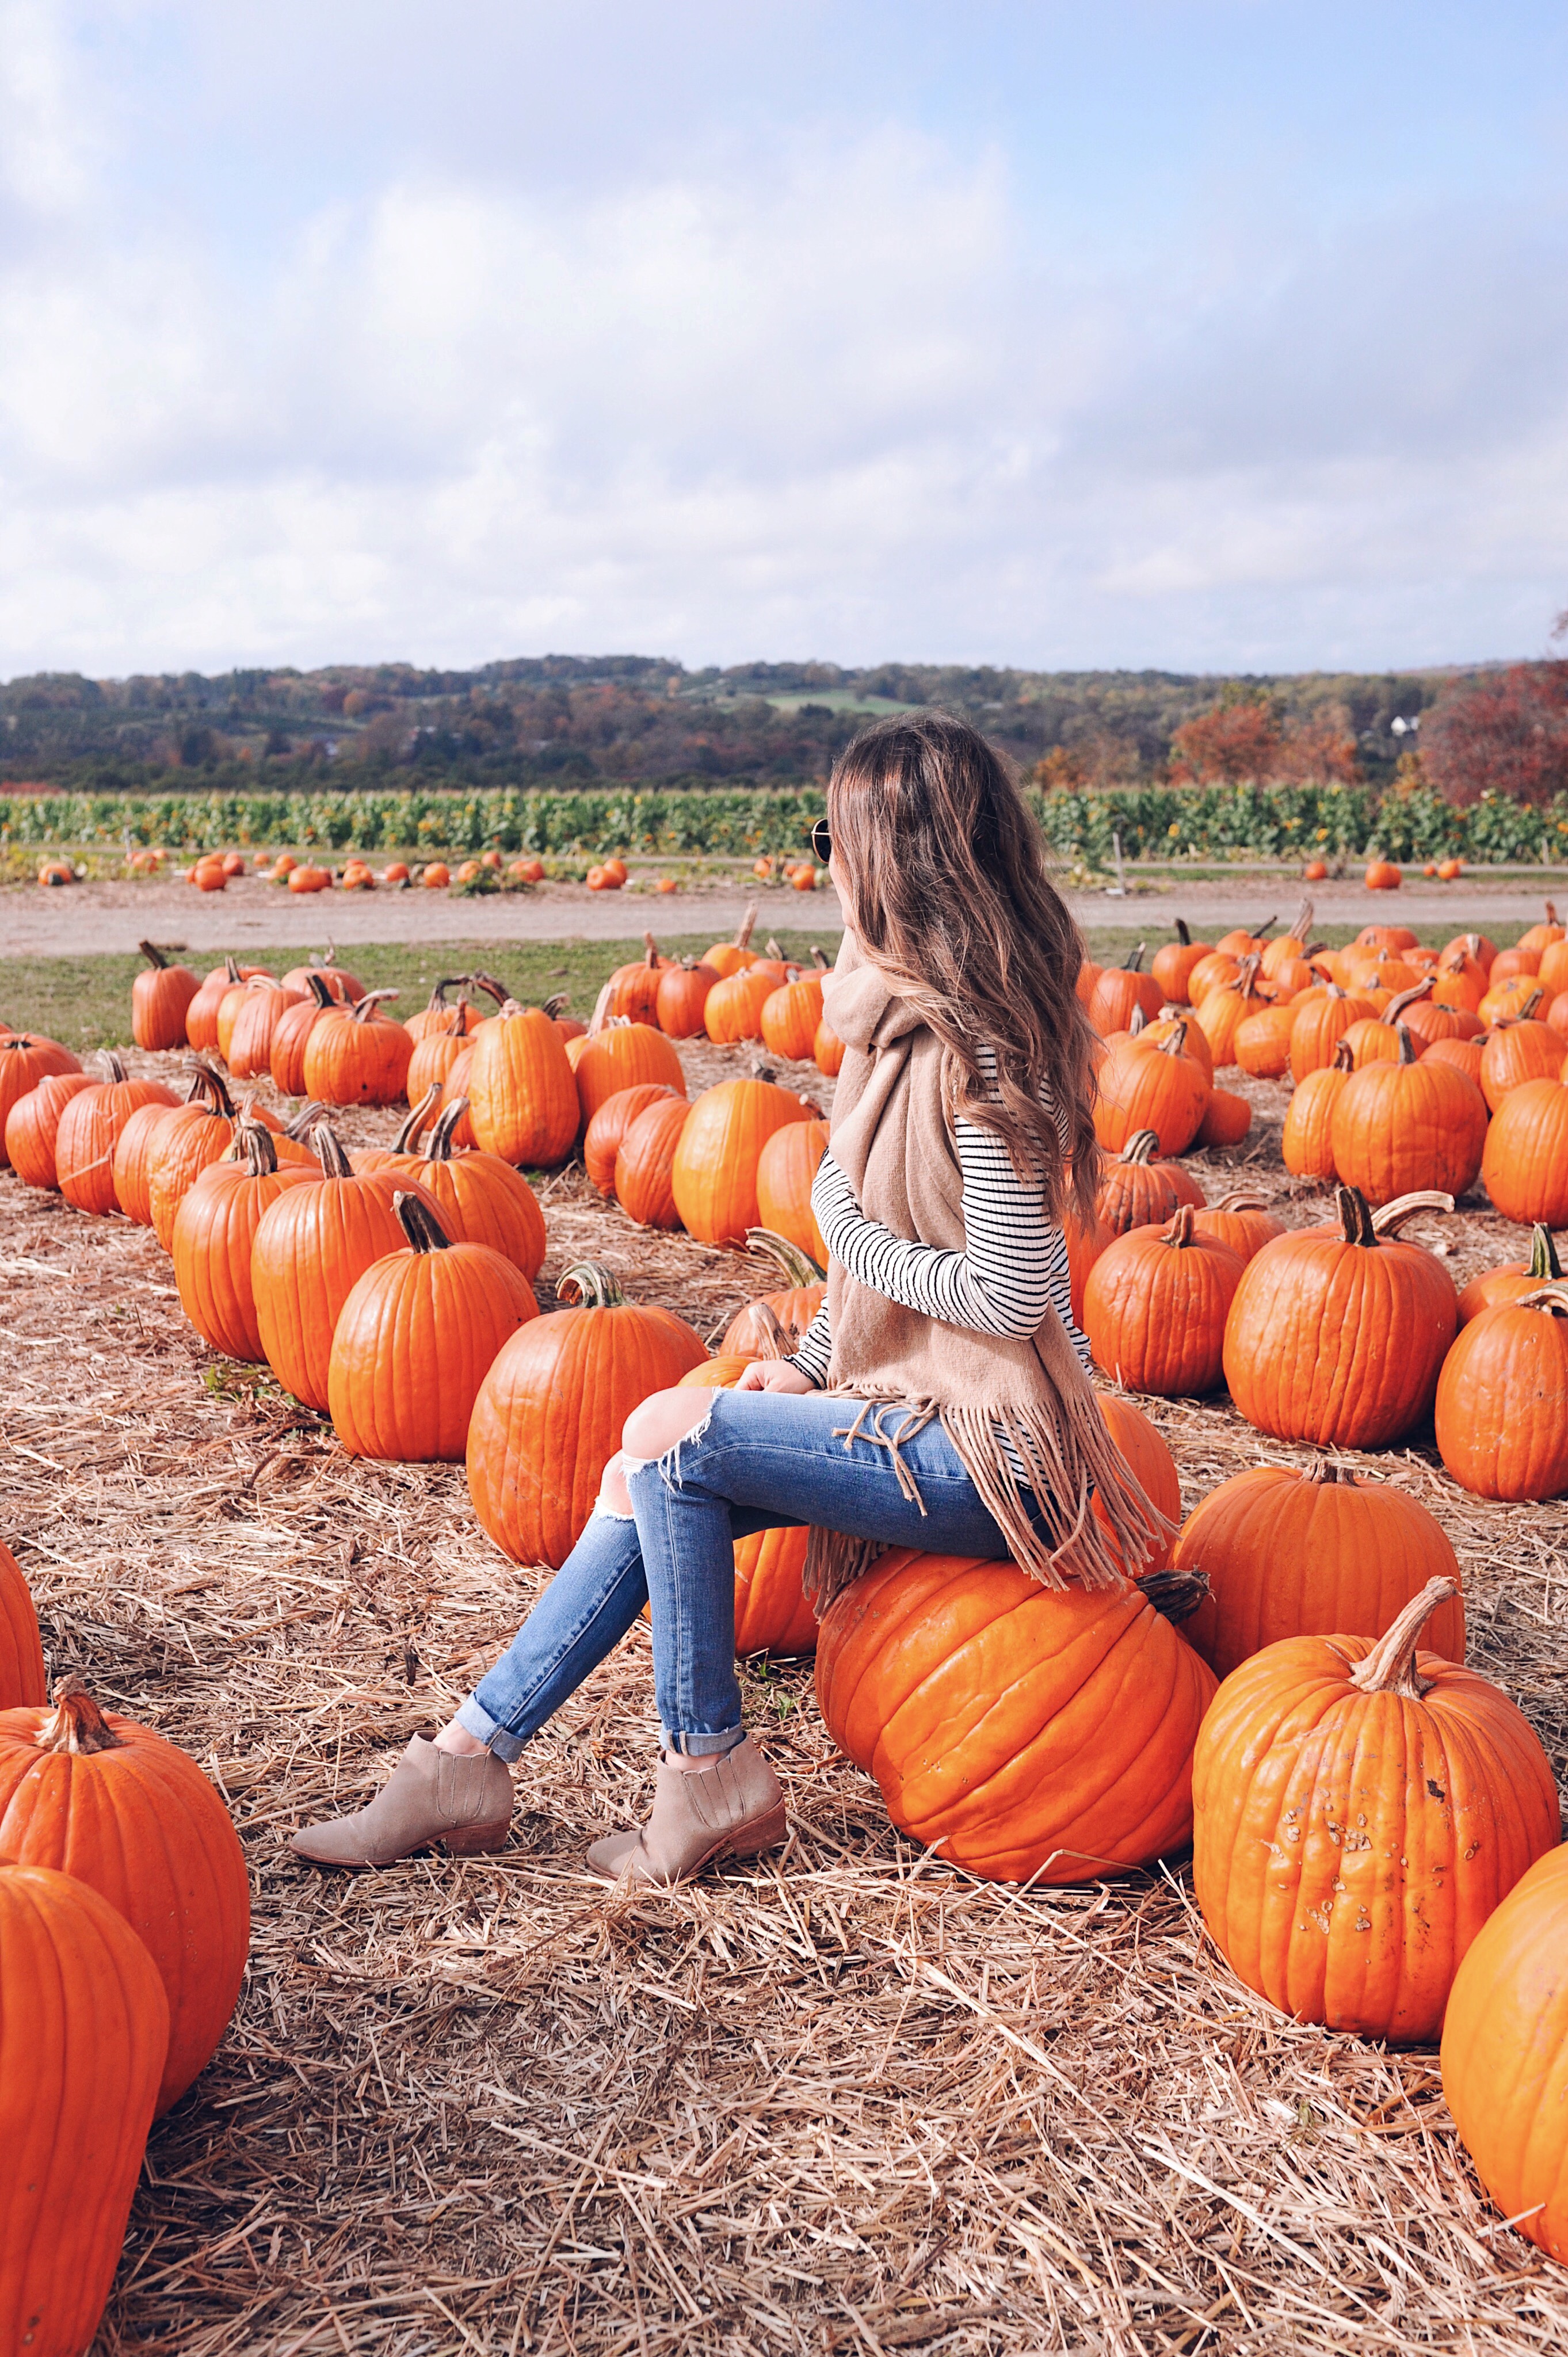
x,y
843,2100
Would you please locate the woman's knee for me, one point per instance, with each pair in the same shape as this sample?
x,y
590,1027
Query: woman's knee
x,y
662,1419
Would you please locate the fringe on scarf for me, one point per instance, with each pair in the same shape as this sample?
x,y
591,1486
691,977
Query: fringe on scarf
x,y
1070,1462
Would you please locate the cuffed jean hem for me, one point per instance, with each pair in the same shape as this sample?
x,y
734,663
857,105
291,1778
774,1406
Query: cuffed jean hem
x,y
702,1747
476,1720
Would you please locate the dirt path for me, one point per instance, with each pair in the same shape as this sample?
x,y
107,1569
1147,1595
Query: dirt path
x,y
115,917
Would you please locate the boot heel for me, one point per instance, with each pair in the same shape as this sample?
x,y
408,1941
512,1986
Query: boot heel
x,y
476,1841
764,1832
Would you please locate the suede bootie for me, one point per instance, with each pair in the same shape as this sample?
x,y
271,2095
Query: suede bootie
x,y
463,1801
731,1810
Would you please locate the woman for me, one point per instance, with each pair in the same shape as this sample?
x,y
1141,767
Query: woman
x,y
939,1399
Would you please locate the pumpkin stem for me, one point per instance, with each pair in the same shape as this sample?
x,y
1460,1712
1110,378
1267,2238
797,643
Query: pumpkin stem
x,y
1142,1146
492,988
795,1265
1404,998
114,1065
1392,1217
254,1140
1328,1469
304,1120
1552,1299
420,1224
436,1002
330,1153
1522,1013
1355,1218
1177,1229
1184,933
773,1341
600,1016
407,1137
366,1010
1544,1264
651,947
590,1283
1301,923
555,1006
743,932
320,990
1343,1059
1407,1044
438,1145
821,959
232,968
75,1723
1135,964
1174,1595
1390,1667
1176,1044
773,948
1261,933
1240,1201
153,955
208,1084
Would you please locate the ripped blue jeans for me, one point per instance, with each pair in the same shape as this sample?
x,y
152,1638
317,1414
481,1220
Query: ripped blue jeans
x,y
762,1461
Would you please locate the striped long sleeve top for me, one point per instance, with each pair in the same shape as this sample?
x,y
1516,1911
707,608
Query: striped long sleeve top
x,y
1014,1267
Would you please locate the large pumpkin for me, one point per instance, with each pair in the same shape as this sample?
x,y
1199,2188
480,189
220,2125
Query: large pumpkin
x,y
1358,1810
1306,1146
682,995
481,1199
625,1056
602,1138
1336,1335
1155,1306
262,1004
436,1051
1118,991
357,1056
1306,1553
549,1414
99,1796
417,1338
786,1172
21,1654
214,1234
1525,1165
312,1247
1174,962
176,1150
805,1289
645,1164
1501,1410
1505,2055
715,1163
1157,1088
521,1096
1136,1192
733,1009
25,1061
32,1127
1403,1126
159,998
89,1131
1024,1733
291,1034
83,2034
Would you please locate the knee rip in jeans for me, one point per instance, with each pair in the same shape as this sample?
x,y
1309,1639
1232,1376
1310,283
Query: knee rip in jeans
x,y
667,1465
602,1509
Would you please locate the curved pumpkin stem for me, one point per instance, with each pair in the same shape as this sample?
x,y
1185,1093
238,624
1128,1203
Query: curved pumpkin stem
x,y
76,1724
1134,962
209,1085
1355,1216
113,1066
1184,933
1390,1667
1392,1217
153,955
1174,1595
1544,1264
1523,1013
1142,1146
1407,1043
650,953
232,968
556,1005
331,1153
408,1134
597,1020
1552,1299
366,1010
1177,1232
420,1224
1240,1201
747,926
591,1284
308,1117
820,960
773,1342
794,1264
1403,998
1328,1469
1177,1043
492,988
1343,1059
438,1145
320,990
1261,933
253,1142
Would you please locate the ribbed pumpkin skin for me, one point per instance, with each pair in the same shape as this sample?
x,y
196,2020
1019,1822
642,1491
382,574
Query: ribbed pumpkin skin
x,y
311,1249
1519,1052
1525,1165
33,1124
24,1062
483,1200
522,1097
790,1016
1141,1193
290,1039
1289,1556
1154,1467
1338,1343
645,1165
1154,1307
733,1007
786,1170
682,998
1397,1127
1505,2055
350,1062
1306,1146
1172,967
772,1611
602,1138
549,1416
1501,1410
626,1058
84,2032
414,1342
715,1163
22,1678
159,998
255,1028
1245,1227
140,1824
214,1234
1227,1121
178,1151
434,1052
1026,1733
88,1132
1118,991
827,1050
1262,1042
1317,1028
1348,1847
1150,1088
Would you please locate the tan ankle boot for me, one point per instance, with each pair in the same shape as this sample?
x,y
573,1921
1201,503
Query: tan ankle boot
x,y
462,1802
731,1809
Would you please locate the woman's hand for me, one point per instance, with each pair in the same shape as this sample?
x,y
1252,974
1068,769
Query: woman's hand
x,y
774,1375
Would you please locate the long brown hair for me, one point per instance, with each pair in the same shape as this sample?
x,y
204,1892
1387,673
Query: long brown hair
x,y
945,871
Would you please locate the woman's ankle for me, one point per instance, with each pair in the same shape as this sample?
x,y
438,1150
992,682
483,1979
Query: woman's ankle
x,y
454,1736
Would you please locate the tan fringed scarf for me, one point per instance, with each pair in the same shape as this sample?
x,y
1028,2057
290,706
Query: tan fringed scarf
x,y
892,1137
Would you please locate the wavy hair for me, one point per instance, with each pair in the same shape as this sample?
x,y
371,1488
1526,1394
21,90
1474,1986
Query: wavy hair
x,y
946,875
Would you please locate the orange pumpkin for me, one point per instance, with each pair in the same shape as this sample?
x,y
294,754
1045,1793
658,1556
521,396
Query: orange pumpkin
x,y
1156,1305
1119,990
1243,1221
602,1138
1358,1810
1517,1050
733,1011
715,1163
1227,1121
827,1050
521,1094
1514,1278
1160,1088
1136,1192
1023,1733
357,1056
1501,1410
22,1676
645,1163
683,998
131,1815
786,1172
25,1061
549,1414
481,1199
159,999
1292,1551
214,1231
89,1130
1173,963
32,1127
623,1056
1525,1164
790,1019
633,989
728,957
793,1309
1399,1127
1306,1145
262,1004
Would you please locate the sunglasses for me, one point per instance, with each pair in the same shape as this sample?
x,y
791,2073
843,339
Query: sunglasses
x,y
823,841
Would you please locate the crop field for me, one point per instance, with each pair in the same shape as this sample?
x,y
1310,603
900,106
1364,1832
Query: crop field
x,y
844,2098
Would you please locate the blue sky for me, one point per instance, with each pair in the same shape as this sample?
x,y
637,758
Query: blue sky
x,y
1208,336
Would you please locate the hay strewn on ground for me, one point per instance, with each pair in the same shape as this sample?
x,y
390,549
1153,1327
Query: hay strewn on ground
x,y
846,2100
